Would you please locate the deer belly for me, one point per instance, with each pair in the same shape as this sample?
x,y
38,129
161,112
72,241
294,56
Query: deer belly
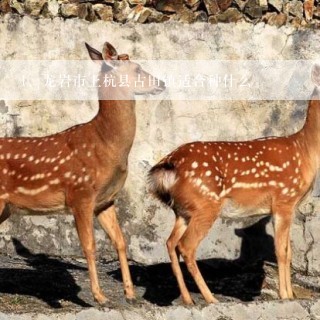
x,y
44,202
233,210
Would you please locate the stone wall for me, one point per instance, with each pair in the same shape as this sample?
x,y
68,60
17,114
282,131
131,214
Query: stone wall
x,y
162,125
273,12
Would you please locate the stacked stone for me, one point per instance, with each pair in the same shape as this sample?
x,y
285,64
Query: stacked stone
x,y
273,12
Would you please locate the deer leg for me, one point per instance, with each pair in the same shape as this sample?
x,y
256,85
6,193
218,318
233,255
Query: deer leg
x,y
282,230
196,231
84,224
288,269
109,222
172,242
4,214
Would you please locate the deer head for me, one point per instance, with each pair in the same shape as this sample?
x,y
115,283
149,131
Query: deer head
x,y
119,66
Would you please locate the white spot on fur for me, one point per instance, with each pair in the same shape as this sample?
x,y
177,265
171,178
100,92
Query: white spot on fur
x,y
208,173
32,192
55,181
67,174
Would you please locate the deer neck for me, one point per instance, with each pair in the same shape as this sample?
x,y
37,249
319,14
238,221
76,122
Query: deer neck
x,y
115,122
309,135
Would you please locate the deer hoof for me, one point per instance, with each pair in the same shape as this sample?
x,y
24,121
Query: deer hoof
x,y
188,302
134,301
101,299
213,300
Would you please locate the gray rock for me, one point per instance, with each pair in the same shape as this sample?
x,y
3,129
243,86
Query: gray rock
x,y
104,12
121,10
157,16
263,4
294,8
34,7
212,7
230,15
296,22
137,2
241,4
277,4
53,8
5,6
185,16
139,14
224,4
170,6
275,19
18,6
253,9
200,16
70,10
80,10
193,4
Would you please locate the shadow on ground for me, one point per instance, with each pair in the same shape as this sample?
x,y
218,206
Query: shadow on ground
x,y
43,281
43,277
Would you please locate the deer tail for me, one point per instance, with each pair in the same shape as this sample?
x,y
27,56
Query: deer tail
x,y
162,177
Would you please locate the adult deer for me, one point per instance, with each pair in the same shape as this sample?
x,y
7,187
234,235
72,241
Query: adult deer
x,y
269,175
83,168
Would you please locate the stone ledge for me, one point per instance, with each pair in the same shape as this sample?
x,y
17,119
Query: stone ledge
x,y
273,310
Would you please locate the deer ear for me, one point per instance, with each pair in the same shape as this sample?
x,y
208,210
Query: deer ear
x,y
315,75
109,52
94,54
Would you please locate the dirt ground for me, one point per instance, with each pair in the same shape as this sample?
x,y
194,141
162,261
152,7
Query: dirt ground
x,y
44,284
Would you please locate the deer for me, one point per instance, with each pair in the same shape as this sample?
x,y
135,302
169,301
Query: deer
x,y
270,175
82,169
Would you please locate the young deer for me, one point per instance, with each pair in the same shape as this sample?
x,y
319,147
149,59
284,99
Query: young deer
x,y
83,168
269,175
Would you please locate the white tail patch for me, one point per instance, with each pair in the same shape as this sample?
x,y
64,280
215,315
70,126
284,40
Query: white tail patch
x,y
162,180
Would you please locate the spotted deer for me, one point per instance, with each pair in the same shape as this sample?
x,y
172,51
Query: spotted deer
x,y
82,168
268,175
